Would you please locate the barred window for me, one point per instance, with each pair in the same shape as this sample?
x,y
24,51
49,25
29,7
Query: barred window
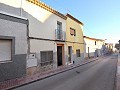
x,y
46,58
78,52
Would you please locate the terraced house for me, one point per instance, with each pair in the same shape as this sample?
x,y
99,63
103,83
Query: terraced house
x,y
74,40
44,38
13,43
46,33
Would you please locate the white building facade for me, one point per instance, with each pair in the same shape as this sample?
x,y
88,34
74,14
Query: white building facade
x,y
45,35
93,47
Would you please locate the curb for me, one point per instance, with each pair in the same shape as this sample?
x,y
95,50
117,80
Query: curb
x,y
53,74
18,82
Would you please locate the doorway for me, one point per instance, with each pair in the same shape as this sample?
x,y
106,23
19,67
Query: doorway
x,y
88,53
69,53
59,56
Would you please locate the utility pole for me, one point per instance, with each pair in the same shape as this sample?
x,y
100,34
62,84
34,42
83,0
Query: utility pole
x,y
119,46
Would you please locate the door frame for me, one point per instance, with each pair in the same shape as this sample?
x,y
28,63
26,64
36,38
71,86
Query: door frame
x,y
63,54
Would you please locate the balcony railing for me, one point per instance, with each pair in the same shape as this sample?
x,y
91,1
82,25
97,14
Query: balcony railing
x,y
60,35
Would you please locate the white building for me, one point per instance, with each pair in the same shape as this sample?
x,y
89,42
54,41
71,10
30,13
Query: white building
x,y
93,47
46,33
13,46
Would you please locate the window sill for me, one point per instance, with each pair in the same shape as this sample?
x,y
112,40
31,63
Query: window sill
x,y
8,61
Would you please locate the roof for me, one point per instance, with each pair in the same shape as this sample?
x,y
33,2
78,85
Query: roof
x,y
70,16
93,38
48,8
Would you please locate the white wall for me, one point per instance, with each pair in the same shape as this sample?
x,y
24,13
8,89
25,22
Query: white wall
x,y
11,6
41,45
17,30
42,23
92,47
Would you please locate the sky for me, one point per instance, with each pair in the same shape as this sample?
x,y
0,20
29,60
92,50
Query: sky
x,y
101,18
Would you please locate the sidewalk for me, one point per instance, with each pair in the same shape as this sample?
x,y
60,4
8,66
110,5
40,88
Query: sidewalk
x,y
118,74
33,78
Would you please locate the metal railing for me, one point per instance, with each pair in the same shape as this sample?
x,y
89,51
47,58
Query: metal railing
x,y
60,35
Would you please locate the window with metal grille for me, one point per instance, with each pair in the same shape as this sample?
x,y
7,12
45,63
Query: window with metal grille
x,y
46,58
78,52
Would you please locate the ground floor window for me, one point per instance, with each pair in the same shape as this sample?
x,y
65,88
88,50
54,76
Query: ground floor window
x,y
78,52
46,57
5,49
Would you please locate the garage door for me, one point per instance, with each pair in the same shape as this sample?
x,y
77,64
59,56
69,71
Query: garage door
x,y
5,50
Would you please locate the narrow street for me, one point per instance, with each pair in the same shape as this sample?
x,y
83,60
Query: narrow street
x,y
97,75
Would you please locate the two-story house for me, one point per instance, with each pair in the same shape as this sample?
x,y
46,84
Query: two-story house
x,y
74,40
13,41
45,33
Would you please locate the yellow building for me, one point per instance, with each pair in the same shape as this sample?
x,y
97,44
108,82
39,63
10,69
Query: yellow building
x,y
74,40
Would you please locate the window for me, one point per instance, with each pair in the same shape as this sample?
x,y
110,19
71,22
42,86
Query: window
x,y
59,30
5,49
78,52
72,32
46,58
59,25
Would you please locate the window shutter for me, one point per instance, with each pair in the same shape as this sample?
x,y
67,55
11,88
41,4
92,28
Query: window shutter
x,y
5,50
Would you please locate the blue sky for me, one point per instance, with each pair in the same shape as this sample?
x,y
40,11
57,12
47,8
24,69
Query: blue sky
x,y
101,18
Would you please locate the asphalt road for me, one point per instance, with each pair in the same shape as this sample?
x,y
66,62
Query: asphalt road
x,y
98,75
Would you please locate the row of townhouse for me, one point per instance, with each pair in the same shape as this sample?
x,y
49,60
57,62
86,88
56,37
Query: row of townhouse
x,y
34,37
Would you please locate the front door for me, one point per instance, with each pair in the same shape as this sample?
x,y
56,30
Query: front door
x,y
69,53
59,55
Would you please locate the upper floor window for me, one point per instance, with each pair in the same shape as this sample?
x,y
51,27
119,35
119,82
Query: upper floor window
x,y
72,32
59,25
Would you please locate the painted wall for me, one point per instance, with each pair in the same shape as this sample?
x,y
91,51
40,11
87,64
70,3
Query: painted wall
x,y
79,33
11,6
93,49
17,30
78,39
12,28
42,23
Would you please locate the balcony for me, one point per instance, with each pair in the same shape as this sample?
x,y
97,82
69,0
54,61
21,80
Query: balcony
x,y
60,35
